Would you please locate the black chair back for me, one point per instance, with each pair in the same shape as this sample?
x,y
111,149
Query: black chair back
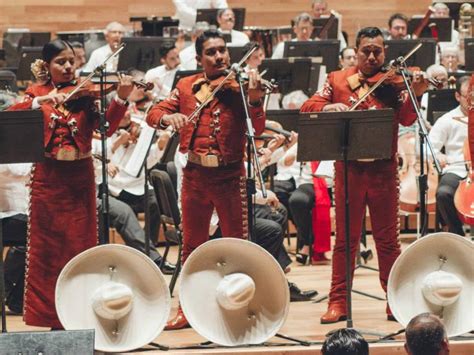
x,y
166,196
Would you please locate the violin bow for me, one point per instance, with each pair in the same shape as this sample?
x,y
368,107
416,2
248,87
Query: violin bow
x,y
92,73
402,60
218,87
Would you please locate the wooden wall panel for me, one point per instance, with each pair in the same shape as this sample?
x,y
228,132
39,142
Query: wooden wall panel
x,y
62,15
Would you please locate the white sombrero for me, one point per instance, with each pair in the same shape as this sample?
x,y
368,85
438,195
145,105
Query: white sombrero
x,y
233,292
435,274
116,290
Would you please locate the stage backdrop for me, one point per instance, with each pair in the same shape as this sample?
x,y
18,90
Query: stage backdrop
x,y
64,15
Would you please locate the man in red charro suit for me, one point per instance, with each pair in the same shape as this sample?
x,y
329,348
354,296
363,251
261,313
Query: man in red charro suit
x,y
371,183
215,142
471,115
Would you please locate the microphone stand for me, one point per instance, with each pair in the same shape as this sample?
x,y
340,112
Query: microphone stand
x,y
251,148
103,127
424,140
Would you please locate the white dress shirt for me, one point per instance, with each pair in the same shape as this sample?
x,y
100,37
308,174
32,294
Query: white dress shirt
x,y
97,58
238,38
186,10
301,172
122,180
163,80
14,195
187,58
450,134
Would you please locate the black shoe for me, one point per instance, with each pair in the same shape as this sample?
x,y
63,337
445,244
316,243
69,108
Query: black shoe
x,y
296,295
366,255
167,269
301,258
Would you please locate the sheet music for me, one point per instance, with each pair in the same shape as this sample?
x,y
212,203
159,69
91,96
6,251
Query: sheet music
x,y
139,154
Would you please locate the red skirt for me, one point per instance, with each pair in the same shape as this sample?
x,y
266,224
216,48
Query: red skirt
x,y
63,223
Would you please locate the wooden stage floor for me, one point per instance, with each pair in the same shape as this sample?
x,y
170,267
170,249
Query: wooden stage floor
x,y
303,320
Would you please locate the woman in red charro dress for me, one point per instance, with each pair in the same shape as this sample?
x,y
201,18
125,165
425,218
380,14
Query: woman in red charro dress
x,y
63,217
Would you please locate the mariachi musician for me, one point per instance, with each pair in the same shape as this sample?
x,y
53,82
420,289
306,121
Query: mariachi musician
x,y
214,141
63,203
373,183
471,115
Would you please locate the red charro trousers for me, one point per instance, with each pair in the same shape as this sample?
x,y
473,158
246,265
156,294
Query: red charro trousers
x,y
204,189
372,184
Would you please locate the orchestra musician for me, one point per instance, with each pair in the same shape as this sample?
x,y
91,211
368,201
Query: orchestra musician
x,y
371,183
163,76
186,10
303,28
450,133
320,8
214,140
114,32
226,21
398,27
187,56
62,187
347,58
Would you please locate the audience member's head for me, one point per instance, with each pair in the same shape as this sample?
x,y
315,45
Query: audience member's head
x,y
169,56
440,10
226,19
319,8
348,58
114,32
426,335
345,342
398,26
303,26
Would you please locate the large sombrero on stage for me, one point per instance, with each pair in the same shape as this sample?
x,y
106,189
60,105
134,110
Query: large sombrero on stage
x,y
233,292
116,290
435,274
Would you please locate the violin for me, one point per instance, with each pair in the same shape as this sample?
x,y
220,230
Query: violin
x,y
395,78
272,128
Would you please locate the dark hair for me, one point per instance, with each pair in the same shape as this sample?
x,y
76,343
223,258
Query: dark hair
x,y
341,53
460,82
220,12
345,342
205,36
166,48
397,16
370,32
425,334
53,48
77,44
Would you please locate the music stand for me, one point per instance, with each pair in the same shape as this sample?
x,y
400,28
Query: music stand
x,y
142,53
14,41
287,118
156,26
210,16
346,136
444,26
27,56
236,53
292,74
17,128
319,23
440,100
423,58
328,49
469,54
182,74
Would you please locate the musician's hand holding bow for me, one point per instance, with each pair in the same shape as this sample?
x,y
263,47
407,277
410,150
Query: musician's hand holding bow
x,y
337,107
175,120
255,90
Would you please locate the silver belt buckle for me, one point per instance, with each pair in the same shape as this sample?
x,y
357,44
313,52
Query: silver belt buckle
x,y
210,161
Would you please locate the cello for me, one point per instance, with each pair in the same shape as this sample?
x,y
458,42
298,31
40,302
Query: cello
x,y
464,196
